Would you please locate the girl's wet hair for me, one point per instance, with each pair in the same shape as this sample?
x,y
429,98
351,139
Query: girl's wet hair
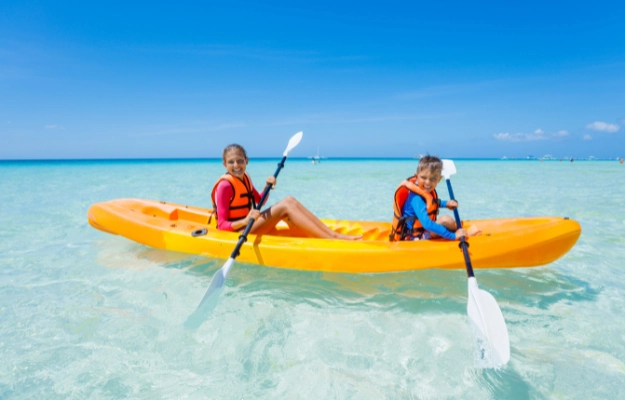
x,y
232,147
431,163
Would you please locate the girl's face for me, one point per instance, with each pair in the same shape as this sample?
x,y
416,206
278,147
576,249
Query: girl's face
x,y
236,163
428,179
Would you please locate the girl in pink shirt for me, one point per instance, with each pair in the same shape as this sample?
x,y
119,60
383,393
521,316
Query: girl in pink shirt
x,y
301,221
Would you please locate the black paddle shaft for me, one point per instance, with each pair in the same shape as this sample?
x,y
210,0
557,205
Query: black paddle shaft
x,y
243,237
463,243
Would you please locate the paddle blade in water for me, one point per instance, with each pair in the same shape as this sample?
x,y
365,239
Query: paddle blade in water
x,y
210,299
489,327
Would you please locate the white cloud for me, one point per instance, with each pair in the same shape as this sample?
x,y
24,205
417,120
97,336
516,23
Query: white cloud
x,y
538,134
519,137
197,128
343,119
53,126
603,127
505,137
587,137
263,53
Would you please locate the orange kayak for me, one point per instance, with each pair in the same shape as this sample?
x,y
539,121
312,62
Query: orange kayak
x,y
504,243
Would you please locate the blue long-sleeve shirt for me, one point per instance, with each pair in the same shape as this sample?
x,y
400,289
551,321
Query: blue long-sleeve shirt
x,y
415,206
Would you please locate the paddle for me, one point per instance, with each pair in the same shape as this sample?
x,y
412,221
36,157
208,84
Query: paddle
x,y
484,313
209,301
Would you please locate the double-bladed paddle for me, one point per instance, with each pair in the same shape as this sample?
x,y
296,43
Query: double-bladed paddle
x,y
209,301
484,313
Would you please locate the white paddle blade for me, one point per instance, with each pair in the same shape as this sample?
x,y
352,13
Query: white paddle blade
x,y
227,266
211,297
449,168
490,328
293,142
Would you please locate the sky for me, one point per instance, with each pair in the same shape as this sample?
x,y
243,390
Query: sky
x,y
90,80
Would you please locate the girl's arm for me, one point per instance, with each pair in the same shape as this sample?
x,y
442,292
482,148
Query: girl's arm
x,y
223,195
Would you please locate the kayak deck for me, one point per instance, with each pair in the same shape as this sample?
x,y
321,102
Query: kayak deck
x,y
504,243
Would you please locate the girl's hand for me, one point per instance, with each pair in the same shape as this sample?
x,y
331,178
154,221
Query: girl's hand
x,y
252,214
451,204
271,181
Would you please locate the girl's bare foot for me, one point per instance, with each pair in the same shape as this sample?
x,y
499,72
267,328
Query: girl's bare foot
x,y
347,237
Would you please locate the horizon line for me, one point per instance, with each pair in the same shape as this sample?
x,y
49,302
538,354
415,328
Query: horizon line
x,y
567,158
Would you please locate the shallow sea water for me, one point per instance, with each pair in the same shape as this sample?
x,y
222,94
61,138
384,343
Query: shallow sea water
x,y
84,314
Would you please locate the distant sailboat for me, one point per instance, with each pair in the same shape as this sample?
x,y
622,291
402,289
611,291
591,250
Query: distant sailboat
x,y
316,159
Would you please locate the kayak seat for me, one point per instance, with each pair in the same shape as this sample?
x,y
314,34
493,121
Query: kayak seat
x,y
164,211
195,216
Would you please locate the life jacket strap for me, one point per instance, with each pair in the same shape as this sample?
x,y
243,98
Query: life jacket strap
x,y
403,230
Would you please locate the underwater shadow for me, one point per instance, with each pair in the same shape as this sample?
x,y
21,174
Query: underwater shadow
x,y
420,291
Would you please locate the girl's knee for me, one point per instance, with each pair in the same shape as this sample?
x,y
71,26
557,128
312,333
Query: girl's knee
x,y
286,205
290,201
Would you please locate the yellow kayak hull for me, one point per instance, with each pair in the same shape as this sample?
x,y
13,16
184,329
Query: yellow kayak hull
x,y
504,243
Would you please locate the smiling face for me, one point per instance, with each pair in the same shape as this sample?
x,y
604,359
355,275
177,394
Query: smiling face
x,y
428,178
235,163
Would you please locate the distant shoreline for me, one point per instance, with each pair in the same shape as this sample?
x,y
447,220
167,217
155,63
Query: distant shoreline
x,y
324,160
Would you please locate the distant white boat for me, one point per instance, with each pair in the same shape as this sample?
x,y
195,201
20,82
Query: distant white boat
x,y
504,158
548,157
316,159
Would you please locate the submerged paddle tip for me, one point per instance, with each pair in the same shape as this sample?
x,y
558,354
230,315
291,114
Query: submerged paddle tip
x,y
489,327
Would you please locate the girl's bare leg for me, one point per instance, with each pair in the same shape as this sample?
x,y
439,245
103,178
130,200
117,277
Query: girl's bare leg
x,y
298,216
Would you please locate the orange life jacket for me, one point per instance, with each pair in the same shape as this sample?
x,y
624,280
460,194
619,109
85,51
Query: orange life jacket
x,y
242,201
399,230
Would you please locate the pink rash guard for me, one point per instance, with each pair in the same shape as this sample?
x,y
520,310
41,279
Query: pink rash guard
x,y
223,196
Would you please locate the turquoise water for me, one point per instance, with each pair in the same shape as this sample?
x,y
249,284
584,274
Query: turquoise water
x,y
84,314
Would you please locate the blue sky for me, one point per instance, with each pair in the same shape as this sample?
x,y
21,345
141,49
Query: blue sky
x,y
361,79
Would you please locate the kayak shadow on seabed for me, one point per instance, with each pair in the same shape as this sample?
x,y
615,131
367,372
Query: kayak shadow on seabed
x,y
412,291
